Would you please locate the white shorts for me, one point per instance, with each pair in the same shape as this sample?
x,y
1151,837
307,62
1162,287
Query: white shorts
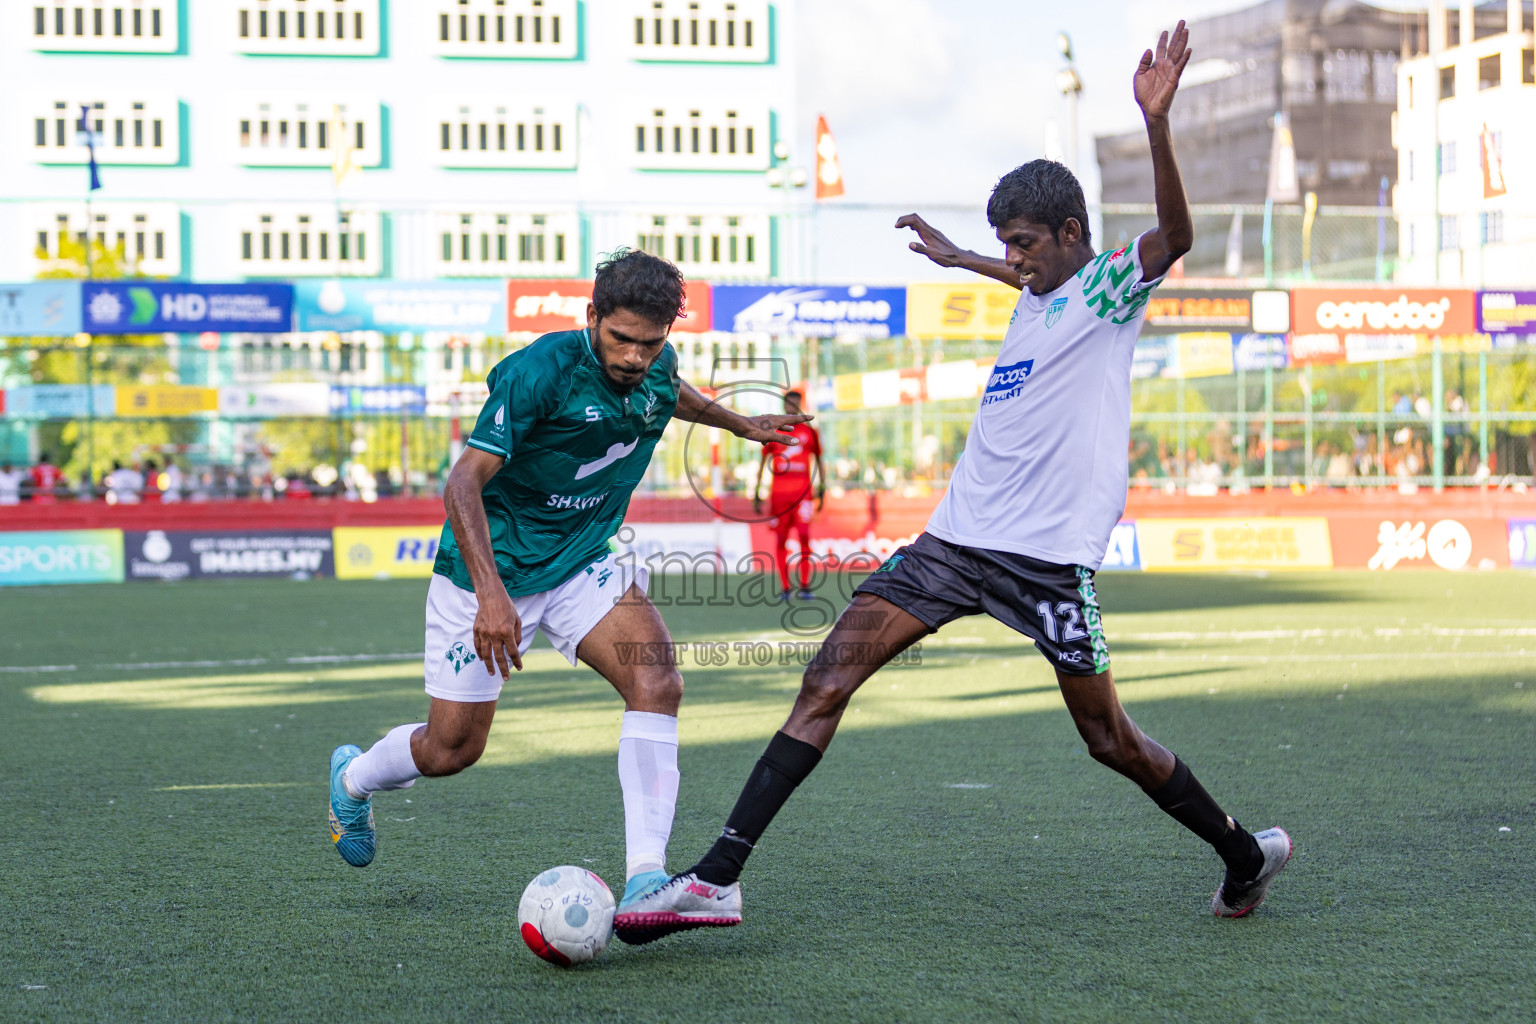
x,y
565,614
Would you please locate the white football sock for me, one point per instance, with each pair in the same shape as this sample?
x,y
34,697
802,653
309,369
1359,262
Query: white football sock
x,y
387,764
649,777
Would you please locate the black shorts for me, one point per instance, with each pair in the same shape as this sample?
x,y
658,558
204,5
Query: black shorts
x,y
1054,605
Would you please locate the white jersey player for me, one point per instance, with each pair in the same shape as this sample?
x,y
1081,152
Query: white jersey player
x,y
1026,519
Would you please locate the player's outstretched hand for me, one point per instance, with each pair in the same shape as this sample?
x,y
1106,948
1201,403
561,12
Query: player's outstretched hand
x,y
499,634
1157,76
765,429
933,245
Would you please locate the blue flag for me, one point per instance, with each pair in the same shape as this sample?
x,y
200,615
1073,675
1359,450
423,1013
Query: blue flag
x,y
90,144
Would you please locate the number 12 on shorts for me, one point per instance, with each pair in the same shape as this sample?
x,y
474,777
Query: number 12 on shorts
x,y
1071,622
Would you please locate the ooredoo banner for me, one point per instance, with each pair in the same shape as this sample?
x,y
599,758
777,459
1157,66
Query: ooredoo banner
x,y
1216,544
61,556
179,555
1364,542
1383,311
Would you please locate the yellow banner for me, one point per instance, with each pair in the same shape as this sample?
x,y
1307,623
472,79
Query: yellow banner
x,y
385,552
166,400
982,310
848,391
1174,545
1204,355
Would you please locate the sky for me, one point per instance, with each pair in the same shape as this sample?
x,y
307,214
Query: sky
x,y
931,101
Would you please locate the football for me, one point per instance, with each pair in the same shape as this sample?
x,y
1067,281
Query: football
x,y
566,915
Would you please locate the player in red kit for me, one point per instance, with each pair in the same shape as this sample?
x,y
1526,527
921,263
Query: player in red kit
x,y
45,477
790,501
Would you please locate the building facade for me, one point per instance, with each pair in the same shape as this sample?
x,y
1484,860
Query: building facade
x,y
1466,191
411,140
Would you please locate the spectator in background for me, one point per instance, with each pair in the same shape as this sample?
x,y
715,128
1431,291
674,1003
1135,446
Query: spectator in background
x,y
10,484
124,484
170,483
383,486
151,477
45,477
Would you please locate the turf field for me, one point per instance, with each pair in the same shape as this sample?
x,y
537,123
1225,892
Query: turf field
x,y
957,855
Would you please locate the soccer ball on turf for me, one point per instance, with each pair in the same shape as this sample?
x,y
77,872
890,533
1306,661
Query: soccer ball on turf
x,y
566,915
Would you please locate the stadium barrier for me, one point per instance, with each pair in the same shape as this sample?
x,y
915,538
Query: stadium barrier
x,y
1260,531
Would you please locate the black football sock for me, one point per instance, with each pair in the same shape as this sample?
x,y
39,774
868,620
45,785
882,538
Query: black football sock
x,y
1187,802
783,766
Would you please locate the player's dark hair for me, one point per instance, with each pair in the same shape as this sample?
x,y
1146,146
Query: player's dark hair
x,y
646,285
794,391
1042,191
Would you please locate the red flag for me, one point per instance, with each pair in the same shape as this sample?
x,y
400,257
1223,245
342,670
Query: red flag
x,y
829,170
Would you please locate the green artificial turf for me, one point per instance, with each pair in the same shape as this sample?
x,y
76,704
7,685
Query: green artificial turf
x,y
957,856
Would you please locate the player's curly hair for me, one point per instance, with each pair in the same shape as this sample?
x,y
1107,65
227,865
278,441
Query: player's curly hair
x,y
645,285
1042,191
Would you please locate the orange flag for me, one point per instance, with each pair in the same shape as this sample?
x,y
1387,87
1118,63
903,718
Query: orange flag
x,y
829,170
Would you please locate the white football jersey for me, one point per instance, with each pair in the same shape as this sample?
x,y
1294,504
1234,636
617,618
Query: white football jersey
x,y
1044,468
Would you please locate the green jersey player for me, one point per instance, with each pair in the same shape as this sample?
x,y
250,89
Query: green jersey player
x,y
542,486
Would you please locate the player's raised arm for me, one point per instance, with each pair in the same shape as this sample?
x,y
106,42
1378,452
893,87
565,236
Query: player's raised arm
x,y
695,408
945,253
1156,82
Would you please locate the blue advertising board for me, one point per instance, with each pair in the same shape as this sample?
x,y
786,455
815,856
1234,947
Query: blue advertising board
x,y
151,308
393,306
829,312
60,401
1123,552
1150,358
1522,543
382,399
40,308
1255,352
61,556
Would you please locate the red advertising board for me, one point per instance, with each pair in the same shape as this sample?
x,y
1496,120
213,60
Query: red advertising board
x,y
1420,542
1383,311
540,307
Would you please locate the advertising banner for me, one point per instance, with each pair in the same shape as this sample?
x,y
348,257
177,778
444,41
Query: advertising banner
x,y
541,307
960,378
1123,552
61,401
262,400
385,552
1522,543
111,308
1201,355
1497,312
1372,348
1172,545
179,555
981,310
1254,352
1317,349
378,400
40,308
1383,311
465,307
61,556
1363,542
1176,310
824,312
1151,358
166,400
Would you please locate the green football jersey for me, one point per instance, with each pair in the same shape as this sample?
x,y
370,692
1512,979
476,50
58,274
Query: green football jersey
x,y
575,449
